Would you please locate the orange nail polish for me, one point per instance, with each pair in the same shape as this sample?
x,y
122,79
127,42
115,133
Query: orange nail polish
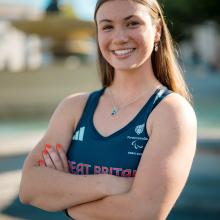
x,y
41,162
48,146
45,152
58,146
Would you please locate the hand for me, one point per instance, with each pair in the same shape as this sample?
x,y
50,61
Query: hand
x,y
54,158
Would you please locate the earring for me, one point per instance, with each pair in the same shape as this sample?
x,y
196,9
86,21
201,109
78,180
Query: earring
x,y
156,47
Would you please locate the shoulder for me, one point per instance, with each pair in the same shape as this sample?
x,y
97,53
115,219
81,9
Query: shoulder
x,y
72,106
174,113
64,119
77,100
174,105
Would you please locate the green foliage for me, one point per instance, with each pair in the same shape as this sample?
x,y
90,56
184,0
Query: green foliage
x,y
182,15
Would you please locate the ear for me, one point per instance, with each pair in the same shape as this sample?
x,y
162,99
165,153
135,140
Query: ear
x,y
158,30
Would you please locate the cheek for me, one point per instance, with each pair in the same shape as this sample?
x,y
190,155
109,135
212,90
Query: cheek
x,y
147,41
103,44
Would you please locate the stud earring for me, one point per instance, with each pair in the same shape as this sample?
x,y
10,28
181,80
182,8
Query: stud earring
x,y
156,47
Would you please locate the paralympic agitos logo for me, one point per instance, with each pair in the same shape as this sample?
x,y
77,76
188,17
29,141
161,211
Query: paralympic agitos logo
x,y
135,145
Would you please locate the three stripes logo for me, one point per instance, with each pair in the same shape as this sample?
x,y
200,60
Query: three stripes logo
x,y
78,136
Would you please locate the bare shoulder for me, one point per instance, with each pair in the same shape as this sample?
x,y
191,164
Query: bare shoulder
x,y
176,106
77,97
65,118
74,103
175,112
78,100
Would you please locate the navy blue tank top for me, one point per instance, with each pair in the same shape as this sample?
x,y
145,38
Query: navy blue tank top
x,y
117,154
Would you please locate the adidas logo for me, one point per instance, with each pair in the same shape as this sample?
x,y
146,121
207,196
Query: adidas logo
x,y
78,136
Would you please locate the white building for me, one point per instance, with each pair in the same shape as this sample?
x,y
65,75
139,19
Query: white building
x,y
203,49
18,51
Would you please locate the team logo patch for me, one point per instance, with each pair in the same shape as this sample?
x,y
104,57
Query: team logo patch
x,y
136,145
139,129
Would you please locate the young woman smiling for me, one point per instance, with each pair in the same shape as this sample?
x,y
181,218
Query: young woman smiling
x,y
124,151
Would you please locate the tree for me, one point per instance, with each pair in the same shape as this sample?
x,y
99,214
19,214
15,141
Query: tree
x,y
182,15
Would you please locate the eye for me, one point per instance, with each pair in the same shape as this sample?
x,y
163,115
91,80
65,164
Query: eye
x,y
107,27
133,24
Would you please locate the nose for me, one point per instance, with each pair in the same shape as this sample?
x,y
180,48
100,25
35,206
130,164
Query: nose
x,y
120,37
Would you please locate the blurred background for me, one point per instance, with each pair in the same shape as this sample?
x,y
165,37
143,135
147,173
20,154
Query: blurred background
x,y
47,51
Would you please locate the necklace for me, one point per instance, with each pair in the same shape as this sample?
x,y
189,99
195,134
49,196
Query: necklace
x,y
116,108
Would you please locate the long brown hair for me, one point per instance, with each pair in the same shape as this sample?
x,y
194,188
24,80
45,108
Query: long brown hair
x,y
164,62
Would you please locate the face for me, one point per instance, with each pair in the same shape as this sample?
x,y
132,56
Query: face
x,y
126,34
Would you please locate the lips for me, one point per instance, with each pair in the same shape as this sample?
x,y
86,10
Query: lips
x,y
123,52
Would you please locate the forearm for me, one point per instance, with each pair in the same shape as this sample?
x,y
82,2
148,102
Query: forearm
x,y
115,207
52,190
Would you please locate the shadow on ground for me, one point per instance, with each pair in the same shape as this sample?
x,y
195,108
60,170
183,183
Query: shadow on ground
x,y
18,210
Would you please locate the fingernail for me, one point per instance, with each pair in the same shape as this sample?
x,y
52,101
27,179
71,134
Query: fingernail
x,y
48,146
45,152
41,162
58,146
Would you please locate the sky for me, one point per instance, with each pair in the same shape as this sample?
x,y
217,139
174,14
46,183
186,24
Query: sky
x,y
83,8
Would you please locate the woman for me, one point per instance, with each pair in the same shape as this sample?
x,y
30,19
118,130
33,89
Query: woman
x,y
137,134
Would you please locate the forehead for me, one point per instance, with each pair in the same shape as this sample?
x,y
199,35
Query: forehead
x,y
119,9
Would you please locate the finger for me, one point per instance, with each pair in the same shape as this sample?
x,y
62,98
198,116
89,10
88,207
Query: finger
x,y
62,157
47,159
55,157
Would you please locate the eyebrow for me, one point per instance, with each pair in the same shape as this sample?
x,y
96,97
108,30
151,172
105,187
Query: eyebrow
x,y
107,20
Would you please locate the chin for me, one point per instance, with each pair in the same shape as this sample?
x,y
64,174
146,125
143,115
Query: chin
x,y
125,67
129,65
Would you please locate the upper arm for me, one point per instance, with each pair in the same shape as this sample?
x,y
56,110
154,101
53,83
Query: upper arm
x,y
167,158
61,126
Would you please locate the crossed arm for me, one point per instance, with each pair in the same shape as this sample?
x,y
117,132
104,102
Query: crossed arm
x,y
160,178
50,186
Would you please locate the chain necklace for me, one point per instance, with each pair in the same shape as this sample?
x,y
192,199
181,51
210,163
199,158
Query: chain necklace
x,y
116,108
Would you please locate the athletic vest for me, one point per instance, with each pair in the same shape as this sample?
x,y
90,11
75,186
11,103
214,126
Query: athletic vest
x,y
117,154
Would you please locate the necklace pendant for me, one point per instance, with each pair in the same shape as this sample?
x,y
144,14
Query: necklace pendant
x,y
114,111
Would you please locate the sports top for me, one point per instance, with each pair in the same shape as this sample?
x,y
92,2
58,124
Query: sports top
x,y
117,154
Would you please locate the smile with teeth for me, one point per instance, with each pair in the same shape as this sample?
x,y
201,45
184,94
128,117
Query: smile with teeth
x,y
123,53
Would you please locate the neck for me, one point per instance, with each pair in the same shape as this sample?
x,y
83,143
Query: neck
x,y
133,82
